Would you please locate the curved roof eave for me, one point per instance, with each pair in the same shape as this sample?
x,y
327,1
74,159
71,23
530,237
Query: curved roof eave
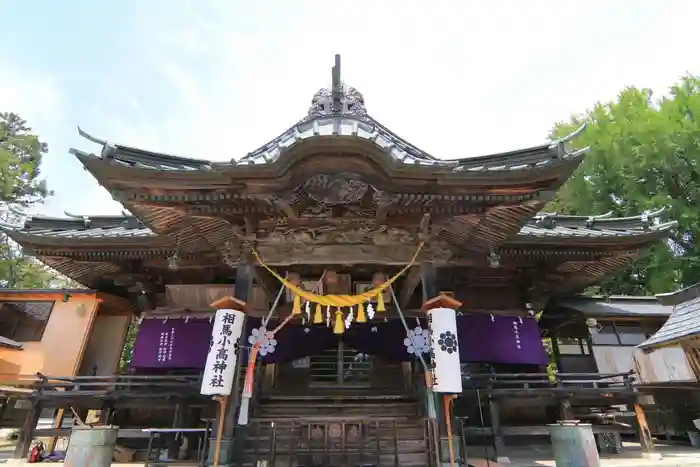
x,y
397,150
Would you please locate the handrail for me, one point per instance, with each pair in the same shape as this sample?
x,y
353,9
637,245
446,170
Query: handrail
x,y
547,381
548,375
40,386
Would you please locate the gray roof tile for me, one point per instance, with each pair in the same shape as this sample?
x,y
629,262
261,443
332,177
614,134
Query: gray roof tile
x,y
683,322
542,226
617,306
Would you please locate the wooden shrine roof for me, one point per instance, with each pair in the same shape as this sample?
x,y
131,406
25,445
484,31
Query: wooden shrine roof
x,y
575,251
338,187
389,151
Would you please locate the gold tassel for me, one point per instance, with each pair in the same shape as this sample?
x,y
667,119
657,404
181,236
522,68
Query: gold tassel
x,y
380,303
296,307
318,314
339,326
361,318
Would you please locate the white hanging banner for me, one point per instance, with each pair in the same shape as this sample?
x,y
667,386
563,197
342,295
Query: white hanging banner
x,y
219,371
444,350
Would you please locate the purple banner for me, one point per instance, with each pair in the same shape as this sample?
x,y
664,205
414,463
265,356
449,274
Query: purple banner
x,y
181,343
500,339
172,343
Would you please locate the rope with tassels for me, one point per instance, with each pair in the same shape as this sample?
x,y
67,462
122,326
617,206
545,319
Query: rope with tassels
x,y
337,301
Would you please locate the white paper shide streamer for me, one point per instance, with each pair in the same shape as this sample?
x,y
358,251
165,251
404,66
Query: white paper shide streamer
x,y
444,350
223,353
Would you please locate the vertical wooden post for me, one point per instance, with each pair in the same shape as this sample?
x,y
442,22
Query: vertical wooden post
x,y
226,420
499,446
269,378
644,433
219,431
26,434
57,423
428,275
178,422
565,409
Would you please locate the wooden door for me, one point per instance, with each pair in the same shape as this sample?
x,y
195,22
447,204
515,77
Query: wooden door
x,y
340,367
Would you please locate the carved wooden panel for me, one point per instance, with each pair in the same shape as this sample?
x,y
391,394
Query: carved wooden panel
x,y
308,284
362,287
200,296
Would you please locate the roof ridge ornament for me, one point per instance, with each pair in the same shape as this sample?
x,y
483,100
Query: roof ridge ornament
x,y
339,100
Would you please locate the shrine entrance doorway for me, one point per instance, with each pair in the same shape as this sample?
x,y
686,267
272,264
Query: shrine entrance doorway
x,y
340,367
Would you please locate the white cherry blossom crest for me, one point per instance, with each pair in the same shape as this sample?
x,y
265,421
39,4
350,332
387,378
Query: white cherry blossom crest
x,y
264,338
418,341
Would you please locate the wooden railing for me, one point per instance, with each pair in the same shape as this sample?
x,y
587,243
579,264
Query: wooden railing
x,y
536,383
68,387
332,441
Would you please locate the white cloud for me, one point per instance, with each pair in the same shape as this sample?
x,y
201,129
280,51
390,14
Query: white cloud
x,y
37,99
216,79
456,78
34,97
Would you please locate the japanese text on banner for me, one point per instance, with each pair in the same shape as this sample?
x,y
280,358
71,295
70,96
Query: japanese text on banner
x,y
223,353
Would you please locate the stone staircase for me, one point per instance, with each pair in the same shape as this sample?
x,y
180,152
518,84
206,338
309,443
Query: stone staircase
x,y
336,430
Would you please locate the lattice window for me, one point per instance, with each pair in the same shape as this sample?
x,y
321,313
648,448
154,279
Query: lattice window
x,y
24,321
630,334
605,335
569,346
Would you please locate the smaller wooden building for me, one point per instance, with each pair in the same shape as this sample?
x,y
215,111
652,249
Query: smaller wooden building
x,y
668,363
67,332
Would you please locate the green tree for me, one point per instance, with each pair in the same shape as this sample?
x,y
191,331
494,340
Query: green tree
x,y
645,154
20,187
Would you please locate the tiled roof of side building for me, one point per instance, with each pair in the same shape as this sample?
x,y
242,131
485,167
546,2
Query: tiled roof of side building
x,y
684,320
553,225
617,306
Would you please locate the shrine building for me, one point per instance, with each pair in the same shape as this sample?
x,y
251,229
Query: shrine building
x,y
337,205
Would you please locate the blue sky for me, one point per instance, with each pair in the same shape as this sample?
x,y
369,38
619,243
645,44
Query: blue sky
x,y
216,79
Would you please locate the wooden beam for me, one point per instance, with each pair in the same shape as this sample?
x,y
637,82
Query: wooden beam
x,y
267,281
412,280
428,275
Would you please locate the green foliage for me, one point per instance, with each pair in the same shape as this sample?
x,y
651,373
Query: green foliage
x,y
20,157
20,186
128,350
645,155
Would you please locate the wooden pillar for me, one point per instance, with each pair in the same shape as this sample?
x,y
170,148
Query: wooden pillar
x,y
57,423
178,422
567,413
429,286
245,274
269,377
499,446
645,439
26,434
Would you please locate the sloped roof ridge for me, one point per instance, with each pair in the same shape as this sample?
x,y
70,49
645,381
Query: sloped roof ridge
x,y
73,222
399,148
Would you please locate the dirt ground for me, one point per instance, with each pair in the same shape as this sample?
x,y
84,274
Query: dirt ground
x,y
538,456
